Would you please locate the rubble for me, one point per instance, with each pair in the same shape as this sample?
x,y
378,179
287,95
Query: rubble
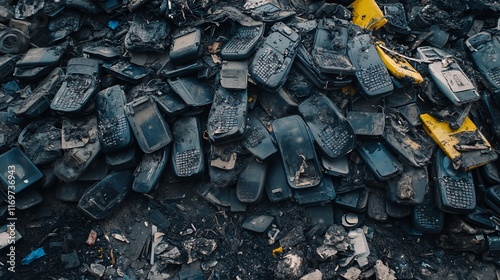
x,y
250,139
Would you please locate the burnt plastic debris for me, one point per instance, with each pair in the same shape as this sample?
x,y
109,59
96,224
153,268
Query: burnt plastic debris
x,y
41,141
258,223
188,158
146,34
297,151
78,88
105,196
149,171
332,132
448,76
37,62
19,173
38,101
113,128
151,130
273,61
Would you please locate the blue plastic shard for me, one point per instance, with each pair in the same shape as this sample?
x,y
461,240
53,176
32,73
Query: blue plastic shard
x,y
38,253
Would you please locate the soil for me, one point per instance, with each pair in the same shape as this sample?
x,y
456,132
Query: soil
x,y
240,254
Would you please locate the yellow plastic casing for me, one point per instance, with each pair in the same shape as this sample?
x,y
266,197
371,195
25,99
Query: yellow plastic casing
x,y
367,14
444,136
398,66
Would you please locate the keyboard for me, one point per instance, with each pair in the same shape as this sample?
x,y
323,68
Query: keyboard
x,y
335,139
374,77
187,162
112,130
459,193
74,94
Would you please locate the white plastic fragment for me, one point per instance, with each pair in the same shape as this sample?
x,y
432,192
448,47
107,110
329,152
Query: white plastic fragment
x,y
359,246
120,237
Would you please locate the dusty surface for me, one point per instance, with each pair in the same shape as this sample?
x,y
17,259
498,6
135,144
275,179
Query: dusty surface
x,y
239,253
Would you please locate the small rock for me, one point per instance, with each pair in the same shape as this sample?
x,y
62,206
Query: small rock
x,y
293,237
328,269
208,264
334,234
291,266
351,274
172,256
198,247
315,275
383,272
324,252
160,248
98,269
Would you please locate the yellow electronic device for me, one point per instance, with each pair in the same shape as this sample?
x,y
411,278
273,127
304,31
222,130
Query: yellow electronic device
x,y
397,65
367,14
466,146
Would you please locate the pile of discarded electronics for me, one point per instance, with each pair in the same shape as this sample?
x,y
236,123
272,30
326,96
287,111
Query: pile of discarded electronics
x,y
362,106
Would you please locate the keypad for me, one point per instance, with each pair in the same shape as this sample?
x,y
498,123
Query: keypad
x,y
427,215
335,139
244,39
187,162
494,74
226,120
113,130
268,64
72,98
459,193
375,77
